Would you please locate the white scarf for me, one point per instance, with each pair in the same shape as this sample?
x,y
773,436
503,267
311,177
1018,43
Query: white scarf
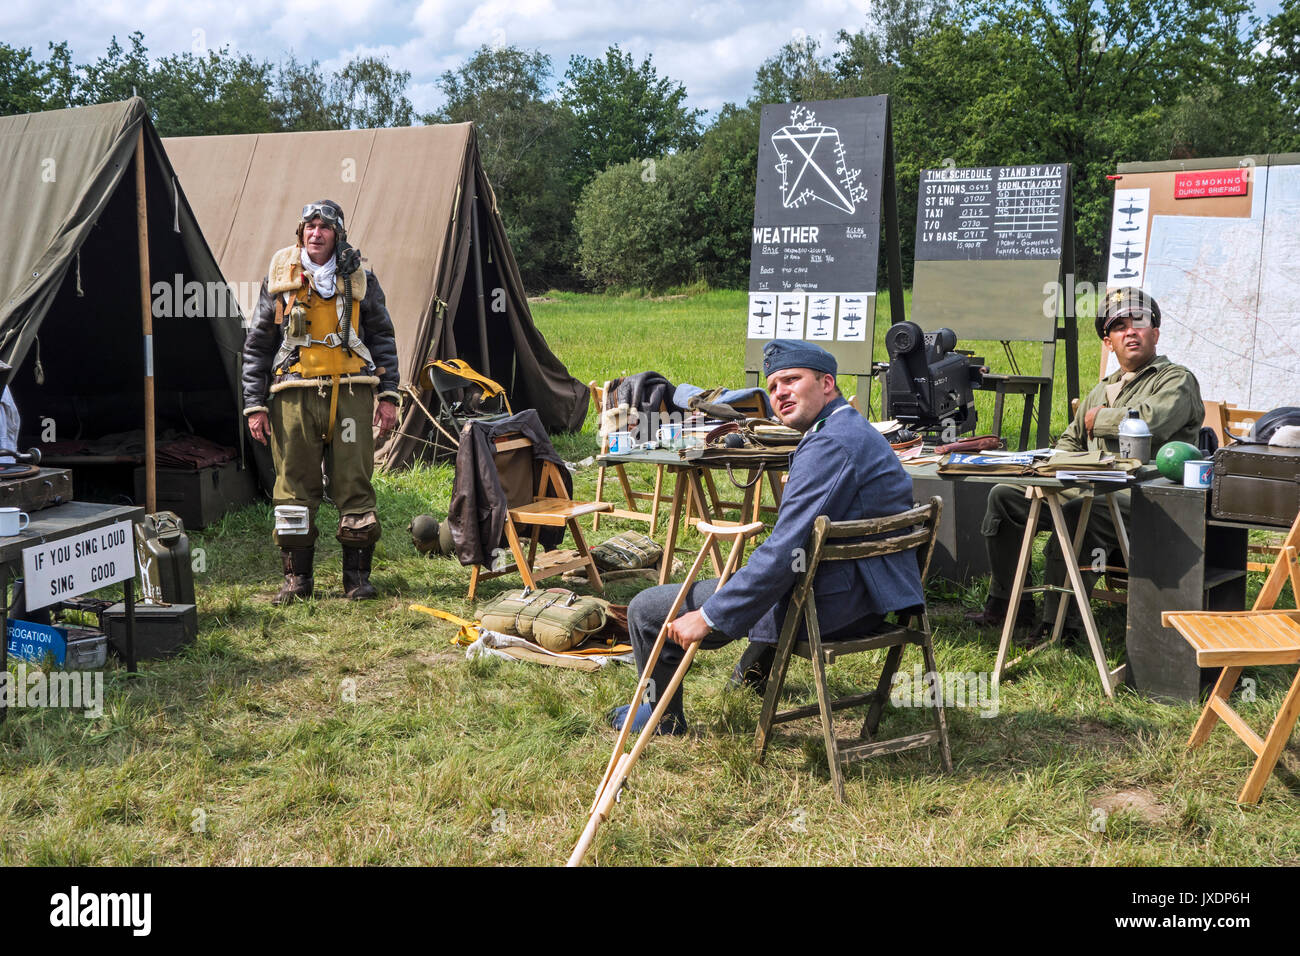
x,y
322,276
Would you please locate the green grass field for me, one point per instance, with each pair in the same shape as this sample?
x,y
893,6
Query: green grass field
x,y
331,733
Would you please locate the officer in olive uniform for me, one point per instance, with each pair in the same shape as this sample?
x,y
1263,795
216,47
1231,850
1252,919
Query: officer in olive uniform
x,y
1168,399
320,345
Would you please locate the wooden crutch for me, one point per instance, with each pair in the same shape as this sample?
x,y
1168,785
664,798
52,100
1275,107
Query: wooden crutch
x,y
620,763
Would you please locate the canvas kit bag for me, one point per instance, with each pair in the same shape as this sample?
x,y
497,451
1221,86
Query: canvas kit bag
x,y
629,551
555,618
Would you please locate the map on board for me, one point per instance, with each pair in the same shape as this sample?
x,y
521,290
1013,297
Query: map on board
x,y
1226,286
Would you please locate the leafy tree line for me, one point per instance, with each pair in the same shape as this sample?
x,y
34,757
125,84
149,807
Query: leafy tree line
x,y
203,92
973,82
606,178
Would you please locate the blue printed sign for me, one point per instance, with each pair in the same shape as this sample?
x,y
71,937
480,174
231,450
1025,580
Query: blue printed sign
x,y
33,641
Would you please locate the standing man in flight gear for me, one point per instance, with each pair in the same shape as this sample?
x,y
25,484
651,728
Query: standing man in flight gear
x,y
320,345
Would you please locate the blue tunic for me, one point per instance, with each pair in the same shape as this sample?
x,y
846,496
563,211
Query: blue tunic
x,y
844,469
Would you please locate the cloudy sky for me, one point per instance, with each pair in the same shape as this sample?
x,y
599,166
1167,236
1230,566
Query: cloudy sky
x,y
712,46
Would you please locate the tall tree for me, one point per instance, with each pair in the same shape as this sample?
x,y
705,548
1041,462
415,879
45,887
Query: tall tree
x,y
526,141
213,93
1071,81
797,72
1279,69
625,111
868,62
22,81
301,98
119,74
370,94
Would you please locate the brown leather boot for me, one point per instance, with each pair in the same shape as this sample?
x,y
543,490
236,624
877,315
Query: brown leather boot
x,y
298,582
356,574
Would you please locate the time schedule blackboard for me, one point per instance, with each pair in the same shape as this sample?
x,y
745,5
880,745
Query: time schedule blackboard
x,y
991,212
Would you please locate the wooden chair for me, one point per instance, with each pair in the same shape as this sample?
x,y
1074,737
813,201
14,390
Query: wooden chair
x,y
630,513
1234,640
913,530
537,503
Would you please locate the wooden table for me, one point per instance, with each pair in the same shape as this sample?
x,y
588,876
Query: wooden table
x,y
1047,491
53,524
691,477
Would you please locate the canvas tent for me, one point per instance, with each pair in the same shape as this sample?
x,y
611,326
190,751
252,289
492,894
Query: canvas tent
x,y
416,199
71,321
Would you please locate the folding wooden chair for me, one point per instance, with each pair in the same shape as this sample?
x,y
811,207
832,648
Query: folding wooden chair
x,y
537,499
1234,640
913,530
631,513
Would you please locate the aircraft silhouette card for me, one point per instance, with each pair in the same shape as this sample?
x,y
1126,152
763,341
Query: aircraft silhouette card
x,y
762,316
821,317
790,311
856,313
1126,259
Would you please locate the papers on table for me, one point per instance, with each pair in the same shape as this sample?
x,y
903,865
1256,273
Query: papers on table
x,y
1092,475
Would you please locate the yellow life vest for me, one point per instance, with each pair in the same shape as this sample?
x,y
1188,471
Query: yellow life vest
x,y
319,360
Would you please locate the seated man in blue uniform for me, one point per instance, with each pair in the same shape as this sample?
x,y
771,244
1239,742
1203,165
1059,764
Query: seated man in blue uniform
x,y
843,468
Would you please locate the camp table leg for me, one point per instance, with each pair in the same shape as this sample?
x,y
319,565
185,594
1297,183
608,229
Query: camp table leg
x,y
680,487
697,491
1076,547
1120,531
1017,588
654,505
1081,596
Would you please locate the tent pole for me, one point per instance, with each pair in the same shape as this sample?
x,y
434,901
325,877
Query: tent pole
x,y
478,286
146,313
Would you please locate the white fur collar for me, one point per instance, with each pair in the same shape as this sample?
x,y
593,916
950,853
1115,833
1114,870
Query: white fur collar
x,y
285,274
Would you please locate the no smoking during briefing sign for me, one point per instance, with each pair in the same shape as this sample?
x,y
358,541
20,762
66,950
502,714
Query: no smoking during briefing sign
x,y
56,570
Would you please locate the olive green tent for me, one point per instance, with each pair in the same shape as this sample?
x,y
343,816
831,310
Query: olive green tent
x,y
421,211
71,324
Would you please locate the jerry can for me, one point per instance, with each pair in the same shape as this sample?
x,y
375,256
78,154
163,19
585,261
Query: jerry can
x,y
163,549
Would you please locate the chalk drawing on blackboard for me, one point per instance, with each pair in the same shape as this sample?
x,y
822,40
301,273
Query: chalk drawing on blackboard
x,y
821,173
1125,255
1131,210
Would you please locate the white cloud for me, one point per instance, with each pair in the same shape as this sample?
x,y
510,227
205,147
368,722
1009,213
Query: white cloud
x,y
712,47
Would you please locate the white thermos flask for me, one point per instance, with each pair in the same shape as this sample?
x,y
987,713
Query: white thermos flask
x,y
1134,437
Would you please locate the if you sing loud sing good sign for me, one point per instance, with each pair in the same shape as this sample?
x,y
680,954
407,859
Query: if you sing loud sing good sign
x,y
57,570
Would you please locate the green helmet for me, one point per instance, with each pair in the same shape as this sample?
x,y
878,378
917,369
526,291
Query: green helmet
x,y
430,536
